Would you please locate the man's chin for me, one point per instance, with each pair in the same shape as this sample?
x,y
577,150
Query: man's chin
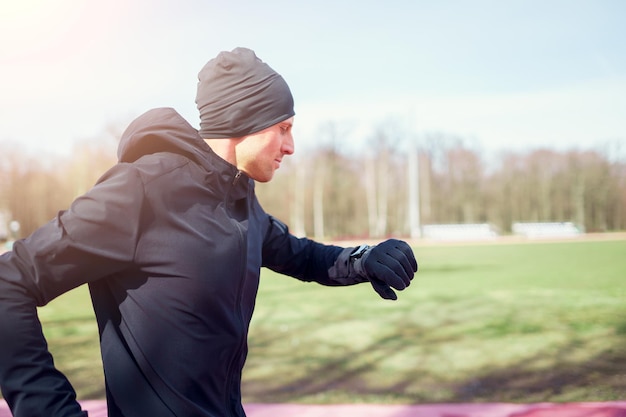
x,y
265,178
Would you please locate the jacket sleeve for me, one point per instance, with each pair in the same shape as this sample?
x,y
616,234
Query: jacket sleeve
x,y
96,237
306,259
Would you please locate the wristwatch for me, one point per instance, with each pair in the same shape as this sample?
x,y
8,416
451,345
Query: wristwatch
x,y
358,252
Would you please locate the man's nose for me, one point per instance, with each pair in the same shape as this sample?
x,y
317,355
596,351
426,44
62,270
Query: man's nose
x,y
288,147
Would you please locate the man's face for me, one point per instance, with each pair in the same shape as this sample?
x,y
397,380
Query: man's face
x,y
259,155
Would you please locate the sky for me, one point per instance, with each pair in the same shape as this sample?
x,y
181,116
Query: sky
x,y
505,75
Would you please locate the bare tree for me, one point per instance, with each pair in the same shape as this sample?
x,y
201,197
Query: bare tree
x,y
318,199
298,213
382,176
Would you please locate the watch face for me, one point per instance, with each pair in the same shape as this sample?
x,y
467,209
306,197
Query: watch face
x,y
358,252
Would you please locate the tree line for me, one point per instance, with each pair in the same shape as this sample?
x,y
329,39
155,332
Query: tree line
x,y
391,186
398,182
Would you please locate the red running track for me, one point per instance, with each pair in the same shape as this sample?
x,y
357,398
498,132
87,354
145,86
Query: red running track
x,y
599,409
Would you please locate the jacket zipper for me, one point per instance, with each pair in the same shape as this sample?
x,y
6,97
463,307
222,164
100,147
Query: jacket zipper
x,y
236,357
237,177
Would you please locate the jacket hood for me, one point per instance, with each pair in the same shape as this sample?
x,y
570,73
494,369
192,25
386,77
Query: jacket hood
x,y
161,130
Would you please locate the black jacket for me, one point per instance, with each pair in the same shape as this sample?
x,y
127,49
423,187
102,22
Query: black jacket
x,y
171,241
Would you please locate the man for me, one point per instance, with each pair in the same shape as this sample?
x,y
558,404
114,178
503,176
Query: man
x,y
171,241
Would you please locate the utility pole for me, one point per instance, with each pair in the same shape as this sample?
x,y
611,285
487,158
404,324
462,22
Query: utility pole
x,y
414,192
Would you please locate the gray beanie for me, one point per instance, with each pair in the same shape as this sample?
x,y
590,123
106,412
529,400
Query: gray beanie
x,y
238,94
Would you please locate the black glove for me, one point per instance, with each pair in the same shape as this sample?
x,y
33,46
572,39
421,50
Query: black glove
x,y
388,264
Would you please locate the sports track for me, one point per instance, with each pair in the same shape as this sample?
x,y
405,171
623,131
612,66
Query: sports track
x,y
603,409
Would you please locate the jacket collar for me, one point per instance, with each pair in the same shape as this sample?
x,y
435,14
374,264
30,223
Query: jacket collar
x,y
165,130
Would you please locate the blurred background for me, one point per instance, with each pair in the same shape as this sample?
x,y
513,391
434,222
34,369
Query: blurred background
x,y
409,113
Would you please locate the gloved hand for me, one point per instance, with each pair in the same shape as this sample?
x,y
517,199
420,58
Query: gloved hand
x,y
386,265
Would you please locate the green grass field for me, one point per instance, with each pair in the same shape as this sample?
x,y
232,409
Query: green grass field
x,y
480,323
